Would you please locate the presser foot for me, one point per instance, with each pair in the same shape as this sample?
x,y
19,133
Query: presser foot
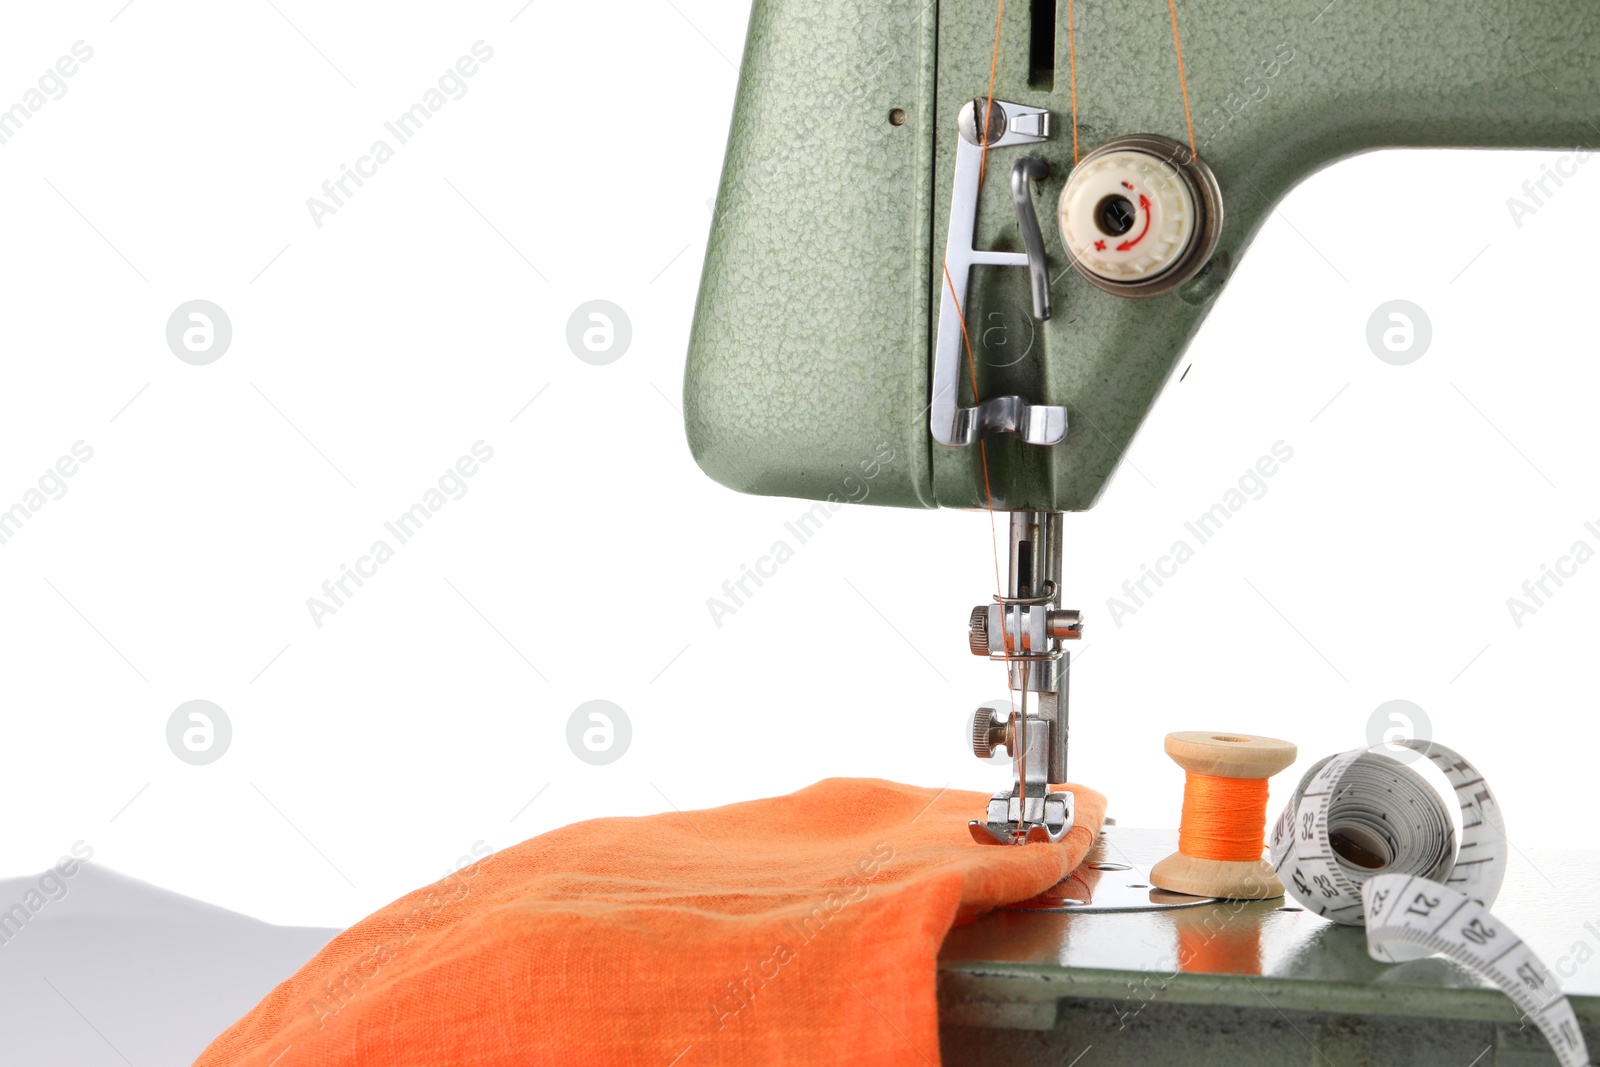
x,y
1049,817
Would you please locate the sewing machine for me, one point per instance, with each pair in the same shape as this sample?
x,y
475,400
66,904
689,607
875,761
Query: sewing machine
x,y
898,173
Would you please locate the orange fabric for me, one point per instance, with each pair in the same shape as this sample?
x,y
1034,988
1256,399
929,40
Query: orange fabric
x,y
794,930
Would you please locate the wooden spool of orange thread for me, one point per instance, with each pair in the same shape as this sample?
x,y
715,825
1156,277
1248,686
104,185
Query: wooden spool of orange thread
x,y
1224,815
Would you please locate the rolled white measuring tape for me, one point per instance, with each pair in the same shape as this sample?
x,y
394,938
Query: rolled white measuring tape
x,y
1366,841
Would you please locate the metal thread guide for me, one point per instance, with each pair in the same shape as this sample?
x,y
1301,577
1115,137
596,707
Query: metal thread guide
x,y
1005,125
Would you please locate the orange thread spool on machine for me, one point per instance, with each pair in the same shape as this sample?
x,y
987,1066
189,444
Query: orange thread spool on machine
x,y
1223,829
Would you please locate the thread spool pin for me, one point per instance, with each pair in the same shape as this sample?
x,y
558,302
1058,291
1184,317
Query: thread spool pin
x,y
1198,867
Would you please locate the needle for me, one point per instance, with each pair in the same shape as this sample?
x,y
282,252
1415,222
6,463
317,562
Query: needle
x,y
1022,757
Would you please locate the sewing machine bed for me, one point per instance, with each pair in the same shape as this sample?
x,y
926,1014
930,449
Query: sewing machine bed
x,y
1264,982
89,980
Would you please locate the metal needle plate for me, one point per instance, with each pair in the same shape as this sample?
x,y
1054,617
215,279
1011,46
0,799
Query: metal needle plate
x,y
1104,882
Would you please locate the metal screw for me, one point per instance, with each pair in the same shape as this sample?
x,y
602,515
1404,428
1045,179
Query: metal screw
x,y
982,121
978,631
990,733
1065,623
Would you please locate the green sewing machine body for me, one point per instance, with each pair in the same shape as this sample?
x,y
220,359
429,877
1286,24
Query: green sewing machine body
x,y
811,352
842,288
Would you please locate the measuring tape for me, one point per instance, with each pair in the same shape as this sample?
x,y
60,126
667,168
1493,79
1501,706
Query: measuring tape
x,y
1366,841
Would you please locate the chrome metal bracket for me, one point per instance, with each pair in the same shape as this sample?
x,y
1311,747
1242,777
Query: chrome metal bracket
x,y
1024,172
1025,630
1001,126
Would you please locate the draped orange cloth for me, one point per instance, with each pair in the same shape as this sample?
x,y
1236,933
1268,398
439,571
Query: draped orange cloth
x,y
801,929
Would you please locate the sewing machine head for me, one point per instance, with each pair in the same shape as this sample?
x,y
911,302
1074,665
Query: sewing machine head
x,y
876,160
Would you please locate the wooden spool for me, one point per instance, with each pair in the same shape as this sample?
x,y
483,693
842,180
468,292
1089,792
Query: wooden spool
x,y
1223,755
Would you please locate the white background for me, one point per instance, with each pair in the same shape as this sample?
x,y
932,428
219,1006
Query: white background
x,y
368,354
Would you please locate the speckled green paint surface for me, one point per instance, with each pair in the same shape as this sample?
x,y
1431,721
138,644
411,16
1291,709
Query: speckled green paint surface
x,y
809,342
812,339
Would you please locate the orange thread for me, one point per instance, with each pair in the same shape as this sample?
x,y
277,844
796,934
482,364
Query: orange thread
x,y
983,453
1072,78
988,109
1183,83
972,366
1223,818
